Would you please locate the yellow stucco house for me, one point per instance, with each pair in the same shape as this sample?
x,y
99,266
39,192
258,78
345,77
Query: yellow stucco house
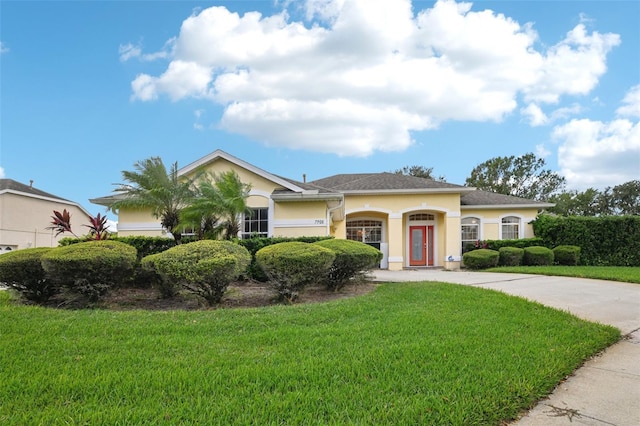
x,y
415,222
25,214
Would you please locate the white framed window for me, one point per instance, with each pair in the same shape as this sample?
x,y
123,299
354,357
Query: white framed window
x,y
510,228
364,230
422,217
470,231
256,223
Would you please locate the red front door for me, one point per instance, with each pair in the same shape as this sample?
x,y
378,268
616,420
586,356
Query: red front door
x,y
421,245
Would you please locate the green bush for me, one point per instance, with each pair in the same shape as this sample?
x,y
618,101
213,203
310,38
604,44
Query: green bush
x,y
567,255
510,256
480,259
90,268
537,256
604,240
256,243
205,268
291,266
21,270
353,259
518,243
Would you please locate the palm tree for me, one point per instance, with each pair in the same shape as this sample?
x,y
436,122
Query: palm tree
x,y
219,202
151,186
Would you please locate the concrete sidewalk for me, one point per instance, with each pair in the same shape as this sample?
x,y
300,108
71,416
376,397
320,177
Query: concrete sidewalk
x,y
606,389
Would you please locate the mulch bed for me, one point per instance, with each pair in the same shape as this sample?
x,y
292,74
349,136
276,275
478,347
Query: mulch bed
x,y
246,294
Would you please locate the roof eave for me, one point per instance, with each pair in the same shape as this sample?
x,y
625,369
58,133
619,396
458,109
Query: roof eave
x,y
306,196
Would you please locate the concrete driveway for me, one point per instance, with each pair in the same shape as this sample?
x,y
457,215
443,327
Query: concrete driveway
x,y
606,389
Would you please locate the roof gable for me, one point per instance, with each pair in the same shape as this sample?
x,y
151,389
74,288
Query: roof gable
x,y
219,154
10,186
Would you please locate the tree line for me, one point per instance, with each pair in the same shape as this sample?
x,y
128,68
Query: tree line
x,y
526,176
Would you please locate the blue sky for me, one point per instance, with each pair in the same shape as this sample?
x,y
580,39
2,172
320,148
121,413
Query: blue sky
x,y
318,87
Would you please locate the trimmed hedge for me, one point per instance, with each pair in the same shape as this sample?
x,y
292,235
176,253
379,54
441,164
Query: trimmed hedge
x,y
537,256
205,268
92,268
291,266
604,241
22,271
510,256
255,244
567,255
480,259
353,259
144,245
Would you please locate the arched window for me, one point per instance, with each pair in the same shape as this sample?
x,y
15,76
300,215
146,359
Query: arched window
x,y
470,231
510,228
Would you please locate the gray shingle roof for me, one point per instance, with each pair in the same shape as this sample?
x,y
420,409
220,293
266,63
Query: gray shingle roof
x,y
485,198
382,182
12,185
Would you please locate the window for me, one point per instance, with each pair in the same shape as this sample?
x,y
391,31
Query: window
x,y
422,216
470,231
365,230
510,228
256,223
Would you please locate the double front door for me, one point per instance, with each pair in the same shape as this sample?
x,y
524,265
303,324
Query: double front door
x,y
421,245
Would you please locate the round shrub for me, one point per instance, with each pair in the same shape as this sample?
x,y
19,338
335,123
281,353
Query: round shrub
x,y
567,255
92,268
510,256
21,270
537,256
205,268
292,266
481,259
353,259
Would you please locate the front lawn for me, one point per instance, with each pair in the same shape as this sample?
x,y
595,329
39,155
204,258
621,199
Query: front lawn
x,y
610,273
411,353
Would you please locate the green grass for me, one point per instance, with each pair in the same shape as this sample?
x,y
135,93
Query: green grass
x,y
412,353
611,273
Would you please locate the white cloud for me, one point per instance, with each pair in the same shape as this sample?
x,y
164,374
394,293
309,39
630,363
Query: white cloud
x,y
631,101
128,51
534,115
3,47
363,74
572,66
598,154
2,175
542,151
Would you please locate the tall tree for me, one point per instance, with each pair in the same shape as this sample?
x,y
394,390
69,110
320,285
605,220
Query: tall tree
x,y
151,186
573,203
220,202
419,171
624,199
523,176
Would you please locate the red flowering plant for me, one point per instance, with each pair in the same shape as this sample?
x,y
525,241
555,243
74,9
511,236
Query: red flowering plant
x,y
61,223
98,227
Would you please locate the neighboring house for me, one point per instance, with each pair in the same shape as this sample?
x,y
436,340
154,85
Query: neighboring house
x,y
415,222
25,213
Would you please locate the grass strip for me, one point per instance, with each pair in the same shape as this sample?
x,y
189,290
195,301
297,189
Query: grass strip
x,y
411,353
628,274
